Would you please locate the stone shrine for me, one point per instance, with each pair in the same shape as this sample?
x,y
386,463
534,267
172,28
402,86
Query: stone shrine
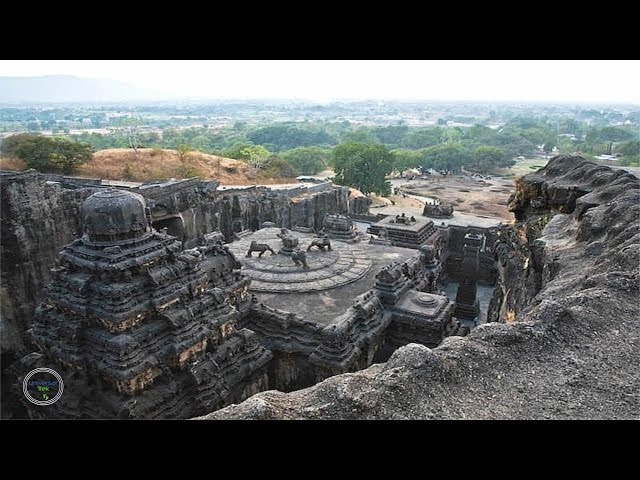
x,y
403,231
139,327
339,227
289,242
438,210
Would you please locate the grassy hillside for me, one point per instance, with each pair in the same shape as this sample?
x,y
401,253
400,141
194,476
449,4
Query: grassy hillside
x,y
156,164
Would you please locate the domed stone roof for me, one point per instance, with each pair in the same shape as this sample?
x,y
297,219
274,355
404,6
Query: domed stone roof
x,y
112,215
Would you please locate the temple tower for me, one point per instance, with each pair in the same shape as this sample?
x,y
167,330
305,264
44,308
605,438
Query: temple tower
x,y
467,306
140,328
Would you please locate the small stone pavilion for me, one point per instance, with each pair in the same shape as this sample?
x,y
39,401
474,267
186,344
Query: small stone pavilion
x,y
406,231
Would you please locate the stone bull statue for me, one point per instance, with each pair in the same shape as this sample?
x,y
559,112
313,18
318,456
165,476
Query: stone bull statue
x,y
259,247
322,243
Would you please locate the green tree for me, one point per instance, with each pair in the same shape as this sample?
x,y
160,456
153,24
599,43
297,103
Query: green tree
x,y
486,158
549,144
238,150
11,143
615,134
307,160
37,153
423,138
68,155
130,127
183,151
447,156
279,167
625,149
201,143
290,135
255,155
405,159
392,135
363,166
53,154
360,135
479,134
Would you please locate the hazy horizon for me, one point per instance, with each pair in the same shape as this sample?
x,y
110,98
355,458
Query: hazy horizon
x,y
322,81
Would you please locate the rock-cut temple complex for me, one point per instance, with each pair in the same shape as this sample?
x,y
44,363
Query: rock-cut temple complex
x,y
141,327
184,299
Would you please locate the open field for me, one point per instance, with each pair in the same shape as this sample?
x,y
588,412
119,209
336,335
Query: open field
x,y
479,197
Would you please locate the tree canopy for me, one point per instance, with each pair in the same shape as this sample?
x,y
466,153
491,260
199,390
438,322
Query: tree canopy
x,y
48,154
446,156
307,160
404,159
286,136
423,138
363,166
485,158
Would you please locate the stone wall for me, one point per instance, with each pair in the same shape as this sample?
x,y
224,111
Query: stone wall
x,y
306,353
38,218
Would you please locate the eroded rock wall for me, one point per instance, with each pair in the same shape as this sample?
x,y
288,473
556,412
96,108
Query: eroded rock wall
x,y
571,344
38,219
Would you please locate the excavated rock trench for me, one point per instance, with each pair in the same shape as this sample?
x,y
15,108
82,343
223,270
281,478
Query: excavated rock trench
x,y
564,342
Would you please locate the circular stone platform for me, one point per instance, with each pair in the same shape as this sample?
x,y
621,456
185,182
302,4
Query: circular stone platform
x,y
346,263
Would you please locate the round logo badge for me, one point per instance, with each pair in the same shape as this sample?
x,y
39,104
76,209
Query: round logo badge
x,y
42,386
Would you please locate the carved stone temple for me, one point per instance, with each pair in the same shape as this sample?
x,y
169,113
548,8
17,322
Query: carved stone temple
x,y
406,231
139,327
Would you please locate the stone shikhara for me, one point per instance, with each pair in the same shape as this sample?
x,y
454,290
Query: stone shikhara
x,y
140,327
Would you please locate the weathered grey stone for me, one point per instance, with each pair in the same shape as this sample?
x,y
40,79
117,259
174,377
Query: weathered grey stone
x,y
136,326
569,347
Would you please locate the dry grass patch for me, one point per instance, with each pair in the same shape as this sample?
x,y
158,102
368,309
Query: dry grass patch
x,y
160,163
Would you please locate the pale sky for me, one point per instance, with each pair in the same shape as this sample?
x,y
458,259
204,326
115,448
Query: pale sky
x,y
590,81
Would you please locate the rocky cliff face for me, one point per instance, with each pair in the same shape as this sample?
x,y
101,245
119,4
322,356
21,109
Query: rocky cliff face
x,y
570,344
40,217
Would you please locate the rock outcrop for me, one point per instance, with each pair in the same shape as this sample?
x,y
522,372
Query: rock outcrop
x,y
38,219
569,346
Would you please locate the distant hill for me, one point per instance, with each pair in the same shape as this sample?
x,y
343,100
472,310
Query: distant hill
x,y
62,88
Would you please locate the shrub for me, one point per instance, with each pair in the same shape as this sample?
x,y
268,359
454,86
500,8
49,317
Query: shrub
x,y
186,170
